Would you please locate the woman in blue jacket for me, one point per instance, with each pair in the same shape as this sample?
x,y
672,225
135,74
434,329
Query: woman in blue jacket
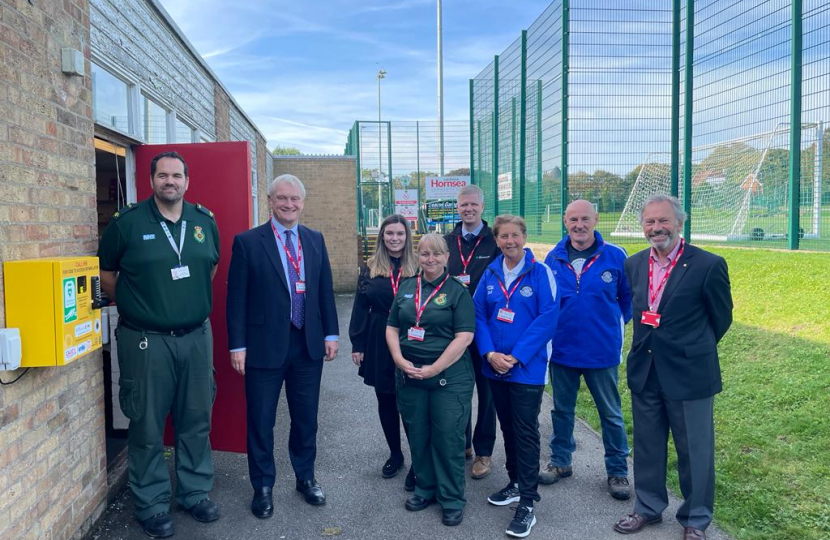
x,y
516,314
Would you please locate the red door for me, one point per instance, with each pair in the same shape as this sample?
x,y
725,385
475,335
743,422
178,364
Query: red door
x,y
220,179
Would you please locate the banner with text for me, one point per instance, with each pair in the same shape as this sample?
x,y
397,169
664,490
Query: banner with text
x,y
441,212
445,187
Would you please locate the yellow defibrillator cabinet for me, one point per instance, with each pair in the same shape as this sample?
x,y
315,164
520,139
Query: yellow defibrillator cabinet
x,y
55,303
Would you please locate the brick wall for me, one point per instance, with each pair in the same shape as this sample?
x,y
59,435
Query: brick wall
x,y
222,103
330,208
53,477
263,172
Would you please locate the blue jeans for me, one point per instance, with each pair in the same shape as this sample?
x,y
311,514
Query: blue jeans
x,y
602,384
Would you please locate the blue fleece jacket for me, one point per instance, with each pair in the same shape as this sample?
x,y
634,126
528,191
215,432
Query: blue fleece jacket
x,y
536,306
594,307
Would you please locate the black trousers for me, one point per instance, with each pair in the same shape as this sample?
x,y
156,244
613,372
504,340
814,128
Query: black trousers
x,y
483,438
692,426
517,406
301,375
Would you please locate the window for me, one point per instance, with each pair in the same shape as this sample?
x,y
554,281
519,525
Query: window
x,y
153,121
184,133
110,101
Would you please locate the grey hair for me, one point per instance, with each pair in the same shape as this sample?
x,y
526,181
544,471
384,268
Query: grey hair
x,y
471,189
679,214
287,179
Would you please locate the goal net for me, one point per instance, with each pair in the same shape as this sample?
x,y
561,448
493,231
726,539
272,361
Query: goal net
x,y
740,187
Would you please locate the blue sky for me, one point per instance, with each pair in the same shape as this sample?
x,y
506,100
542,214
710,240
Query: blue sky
x,y
304,71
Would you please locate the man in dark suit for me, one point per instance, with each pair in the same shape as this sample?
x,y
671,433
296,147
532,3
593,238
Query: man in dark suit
x,y
682,308
282,323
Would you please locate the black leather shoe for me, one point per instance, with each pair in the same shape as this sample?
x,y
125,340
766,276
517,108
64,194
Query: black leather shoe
x,y
262,506
312,492
158,526
416,503
409,483
204,511
451,518
392,466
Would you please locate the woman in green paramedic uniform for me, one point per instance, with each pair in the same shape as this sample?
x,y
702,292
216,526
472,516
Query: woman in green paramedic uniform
x,y
431,323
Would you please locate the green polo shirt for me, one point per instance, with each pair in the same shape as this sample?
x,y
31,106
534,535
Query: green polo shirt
x,y
449,312
135,245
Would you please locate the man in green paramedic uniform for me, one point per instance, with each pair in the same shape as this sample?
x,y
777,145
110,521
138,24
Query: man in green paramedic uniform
x,y
430,326
157,260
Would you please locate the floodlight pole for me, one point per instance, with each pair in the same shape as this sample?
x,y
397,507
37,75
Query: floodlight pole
x,y
440,93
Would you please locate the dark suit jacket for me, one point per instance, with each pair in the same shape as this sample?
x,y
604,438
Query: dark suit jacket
x,y
695,313
259,305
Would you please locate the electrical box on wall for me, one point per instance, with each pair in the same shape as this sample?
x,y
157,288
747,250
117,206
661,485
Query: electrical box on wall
x,y
56,305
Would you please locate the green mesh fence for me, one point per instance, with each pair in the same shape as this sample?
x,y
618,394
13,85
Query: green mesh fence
x,y
401,155
590,102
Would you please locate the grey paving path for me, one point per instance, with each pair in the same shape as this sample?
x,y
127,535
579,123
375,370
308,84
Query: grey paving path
x,y
363,505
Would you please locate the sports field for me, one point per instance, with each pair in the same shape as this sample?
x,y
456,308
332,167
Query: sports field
x,y
773,418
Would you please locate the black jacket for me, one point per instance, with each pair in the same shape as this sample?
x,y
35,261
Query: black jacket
x,y
695,313
484,254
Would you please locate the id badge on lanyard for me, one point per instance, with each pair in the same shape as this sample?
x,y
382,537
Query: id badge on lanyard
x,y
417,332
179,271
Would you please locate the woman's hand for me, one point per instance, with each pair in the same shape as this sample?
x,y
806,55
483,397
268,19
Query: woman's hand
x,y
426,372
500,362
409,369
357,358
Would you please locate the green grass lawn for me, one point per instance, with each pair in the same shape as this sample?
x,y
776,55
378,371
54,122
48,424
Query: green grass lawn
x,y
772,420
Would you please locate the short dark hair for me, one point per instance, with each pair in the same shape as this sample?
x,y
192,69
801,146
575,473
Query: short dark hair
x,y
174,155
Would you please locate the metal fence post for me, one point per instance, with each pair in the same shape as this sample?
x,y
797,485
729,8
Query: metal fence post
x,y
513,176
688,118
675,99
418,169
523,127
793,230
356,146
496,135
389,152
566,31
472,137
539,205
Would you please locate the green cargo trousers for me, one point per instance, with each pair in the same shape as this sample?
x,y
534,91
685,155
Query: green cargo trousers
x,y
435,417
162,374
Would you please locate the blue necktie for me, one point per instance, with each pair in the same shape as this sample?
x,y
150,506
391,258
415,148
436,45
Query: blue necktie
x,y
297,299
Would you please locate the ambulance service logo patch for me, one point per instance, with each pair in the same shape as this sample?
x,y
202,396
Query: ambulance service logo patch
x,y
526,291
198,234
441,299
607,277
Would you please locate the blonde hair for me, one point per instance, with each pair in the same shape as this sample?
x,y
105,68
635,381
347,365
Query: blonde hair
x,y
380,262
434,241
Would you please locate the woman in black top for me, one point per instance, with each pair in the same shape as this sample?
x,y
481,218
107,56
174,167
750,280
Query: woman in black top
x,y
394,260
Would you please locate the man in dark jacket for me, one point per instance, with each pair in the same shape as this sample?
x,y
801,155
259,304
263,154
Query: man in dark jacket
x,y
596,304
472,248
683,307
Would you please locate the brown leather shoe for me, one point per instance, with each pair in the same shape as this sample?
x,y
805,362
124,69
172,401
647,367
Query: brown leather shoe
x,y
690,533
468,453
634,523
481,467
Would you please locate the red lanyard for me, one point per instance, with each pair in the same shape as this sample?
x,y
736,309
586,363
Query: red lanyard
x,y
584,268
419,309
508,295
466,262
654,292
295,264
395,282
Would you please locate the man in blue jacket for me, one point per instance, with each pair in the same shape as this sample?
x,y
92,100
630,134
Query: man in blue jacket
x,y
596,304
